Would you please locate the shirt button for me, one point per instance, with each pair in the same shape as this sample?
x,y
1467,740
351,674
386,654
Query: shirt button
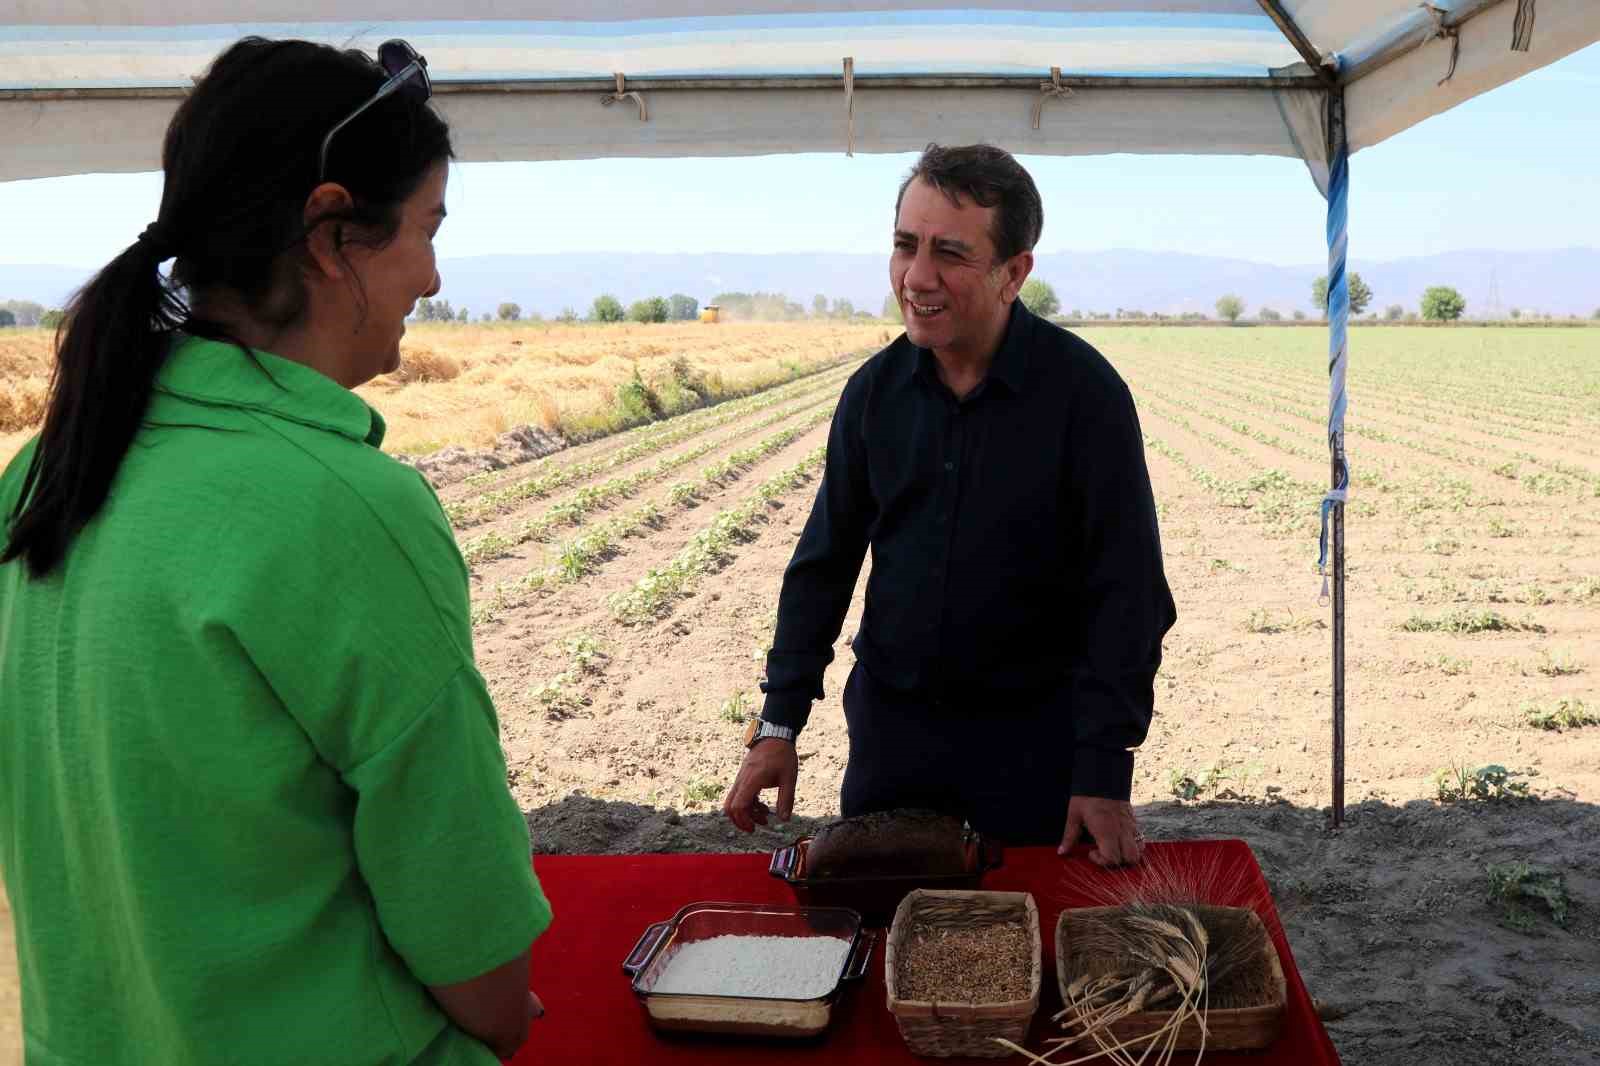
x,y
949,466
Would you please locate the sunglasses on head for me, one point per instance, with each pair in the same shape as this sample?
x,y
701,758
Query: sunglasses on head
x,y
408,73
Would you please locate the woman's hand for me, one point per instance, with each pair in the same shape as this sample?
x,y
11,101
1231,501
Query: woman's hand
x,y
495,1007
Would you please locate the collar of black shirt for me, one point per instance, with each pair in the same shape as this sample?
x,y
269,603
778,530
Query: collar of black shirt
x,y
1010,366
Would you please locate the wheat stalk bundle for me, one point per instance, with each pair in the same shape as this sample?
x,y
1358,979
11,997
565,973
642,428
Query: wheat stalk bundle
x,y
1152,951
1163,955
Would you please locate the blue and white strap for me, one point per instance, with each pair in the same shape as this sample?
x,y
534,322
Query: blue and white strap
x,y
1338,343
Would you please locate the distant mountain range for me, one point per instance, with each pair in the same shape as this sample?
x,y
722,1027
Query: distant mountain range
x,y
1560,282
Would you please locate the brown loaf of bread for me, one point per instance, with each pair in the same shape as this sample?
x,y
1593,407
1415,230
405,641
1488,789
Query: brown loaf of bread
x,y
888,844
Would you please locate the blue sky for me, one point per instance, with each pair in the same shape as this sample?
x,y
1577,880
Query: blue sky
x,y
1514,169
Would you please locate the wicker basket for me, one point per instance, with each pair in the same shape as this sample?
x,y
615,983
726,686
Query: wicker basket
x,y
945,1029
1252,1024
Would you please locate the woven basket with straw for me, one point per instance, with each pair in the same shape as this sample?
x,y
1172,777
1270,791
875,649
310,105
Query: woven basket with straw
x,y
947,1029
1245,990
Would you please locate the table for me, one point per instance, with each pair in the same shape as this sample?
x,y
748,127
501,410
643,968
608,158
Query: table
x,y
603,903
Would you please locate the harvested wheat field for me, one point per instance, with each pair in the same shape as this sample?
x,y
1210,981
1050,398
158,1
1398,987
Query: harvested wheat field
x,y
25,359
625,593
482,380
465,385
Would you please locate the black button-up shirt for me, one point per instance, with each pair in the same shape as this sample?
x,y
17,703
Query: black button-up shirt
x,y
1014,545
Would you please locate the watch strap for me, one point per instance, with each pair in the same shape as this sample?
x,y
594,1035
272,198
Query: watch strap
x,y
760,729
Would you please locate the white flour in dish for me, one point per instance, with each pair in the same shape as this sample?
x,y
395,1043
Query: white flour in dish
x,y
762,967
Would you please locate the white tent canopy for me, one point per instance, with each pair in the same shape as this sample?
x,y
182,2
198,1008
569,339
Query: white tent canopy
x,y
88,85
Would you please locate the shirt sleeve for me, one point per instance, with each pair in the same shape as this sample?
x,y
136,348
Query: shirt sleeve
x,y
441,843
821,576
357,615
1125,604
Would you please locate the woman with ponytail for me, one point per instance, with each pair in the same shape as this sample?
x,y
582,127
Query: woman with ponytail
x,y
253,806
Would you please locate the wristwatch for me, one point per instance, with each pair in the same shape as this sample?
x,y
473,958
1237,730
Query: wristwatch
x,y
760,729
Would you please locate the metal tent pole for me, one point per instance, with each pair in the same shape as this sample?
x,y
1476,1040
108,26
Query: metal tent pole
x,y
1338,640
1338,353
734,83
1295,36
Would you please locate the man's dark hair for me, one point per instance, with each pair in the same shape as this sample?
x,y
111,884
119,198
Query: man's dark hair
x,y
989,177
241,157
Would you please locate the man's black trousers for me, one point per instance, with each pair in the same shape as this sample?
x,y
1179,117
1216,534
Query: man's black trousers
x,y
1002,762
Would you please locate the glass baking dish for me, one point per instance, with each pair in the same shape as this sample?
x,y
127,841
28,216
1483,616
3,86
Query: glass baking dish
x,y
773,1016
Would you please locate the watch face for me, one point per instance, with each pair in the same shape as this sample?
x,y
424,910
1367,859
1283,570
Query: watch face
x,y
750,731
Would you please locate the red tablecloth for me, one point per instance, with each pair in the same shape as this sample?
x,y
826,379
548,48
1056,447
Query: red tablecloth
x,y
604,902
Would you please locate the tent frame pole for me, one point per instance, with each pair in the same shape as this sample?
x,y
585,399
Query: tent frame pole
x,y
1338,642
829,83
1302,44
1417,32
1338,355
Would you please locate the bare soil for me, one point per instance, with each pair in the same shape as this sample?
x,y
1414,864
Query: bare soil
x,y
1389,915
622,737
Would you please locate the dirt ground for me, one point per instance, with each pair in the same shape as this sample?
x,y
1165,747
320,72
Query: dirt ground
x,y
1389,916
1474,607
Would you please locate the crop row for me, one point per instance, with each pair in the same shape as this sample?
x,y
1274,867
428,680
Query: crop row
x,y
662,436
1373,469
1427,490
1534,408
1564,481
582,555
710,549
1281,503
592,498
1522,387
1296,385
1493,420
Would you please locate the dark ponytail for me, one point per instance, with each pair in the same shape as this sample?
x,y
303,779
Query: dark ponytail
x,y
240,159
110,346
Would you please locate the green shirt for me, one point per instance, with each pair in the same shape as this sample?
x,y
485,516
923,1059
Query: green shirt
x,y
252,796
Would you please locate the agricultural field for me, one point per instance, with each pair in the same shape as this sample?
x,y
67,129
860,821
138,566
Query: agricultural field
x,y
482,380
625,591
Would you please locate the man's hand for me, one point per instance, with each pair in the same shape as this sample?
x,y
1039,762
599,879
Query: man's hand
x,y
1117,839
772,763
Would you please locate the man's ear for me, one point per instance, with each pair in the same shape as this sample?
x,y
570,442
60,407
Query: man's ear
x,y
1016,269
325,238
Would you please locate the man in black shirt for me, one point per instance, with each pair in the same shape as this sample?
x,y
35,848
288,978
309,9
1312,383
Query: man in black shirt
x,y
993,462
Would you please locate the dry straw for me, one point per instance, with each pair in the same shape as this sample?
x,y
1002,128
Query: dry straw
x,y
25,363
466,384
1156,970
